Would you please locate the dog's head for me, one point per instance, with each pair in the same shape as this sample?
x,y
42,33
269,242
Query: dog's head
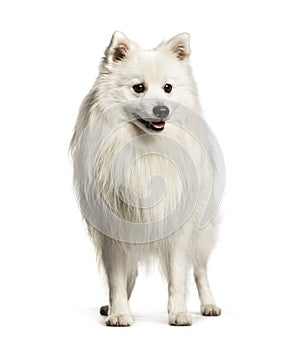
x,y
148,83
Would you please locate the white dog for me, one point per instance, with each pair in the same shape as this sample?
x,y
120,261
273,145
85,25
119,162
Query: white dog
x,y
142,178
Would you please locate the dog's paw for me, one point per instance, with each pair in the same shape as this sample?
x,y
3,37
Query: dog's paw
x,y
210,310
180,319
104,310
121,320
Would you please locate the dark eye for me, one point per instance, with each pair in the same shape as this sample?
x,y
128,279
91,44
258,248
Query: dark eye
x,y
139,88
168,88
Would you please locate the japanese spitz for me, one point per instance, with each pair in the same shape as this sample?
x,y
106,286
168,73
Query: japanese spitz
x,y
142,178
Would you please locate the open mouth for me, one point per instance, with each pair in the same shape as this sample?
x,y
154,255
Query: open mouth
x,y
153,125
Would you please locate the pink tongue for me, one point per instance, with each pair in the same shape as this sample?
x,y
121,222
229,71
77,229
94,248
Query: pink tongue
x,y
158,125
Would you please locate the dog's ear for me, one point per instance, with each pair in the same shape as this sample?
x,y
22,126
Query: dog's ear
x,y
180,45
118,48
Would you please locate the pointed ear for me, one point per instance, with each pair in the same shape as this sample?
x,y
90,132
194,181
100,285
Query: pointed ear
x,y
180,46
118,48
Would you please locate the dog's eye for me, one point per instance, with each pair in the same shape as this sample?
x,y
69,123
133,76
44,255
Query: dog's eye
x,y
168,88
139,88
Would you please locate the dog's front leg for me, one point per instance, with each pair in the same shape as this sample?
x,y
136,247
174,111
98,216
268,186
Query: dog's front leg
x,y
177,274
115,263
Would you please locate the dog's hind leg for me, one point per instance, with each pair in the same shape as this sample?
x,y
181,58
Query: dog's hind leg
x,y
104,310
208,305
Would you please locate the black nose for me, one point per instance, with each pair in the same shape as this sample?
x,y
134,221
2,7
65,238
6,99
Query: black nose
x,y
161,111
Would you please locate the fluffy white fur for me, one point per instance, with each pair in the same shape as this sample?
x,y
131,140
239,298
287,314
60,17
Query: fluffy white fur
x,y
96,176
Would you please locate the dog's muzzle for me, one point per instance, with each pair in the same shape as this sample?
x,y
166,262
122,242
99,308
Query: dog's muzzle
x,y
159,111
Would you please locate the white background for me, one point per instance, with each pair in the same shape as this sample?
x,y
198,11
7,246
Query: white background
x,y
245,56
